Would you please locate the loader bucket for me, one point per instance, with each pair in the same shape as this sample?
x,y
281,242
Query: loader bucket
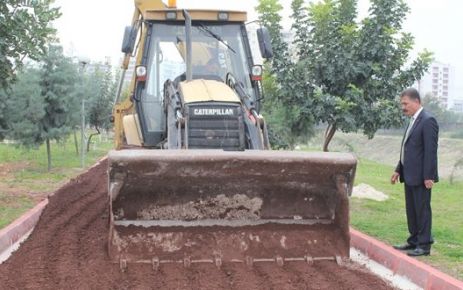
x,y
212,206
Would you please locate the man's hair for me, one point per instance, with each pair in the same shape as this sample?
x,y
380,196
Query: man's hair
x,y
412,93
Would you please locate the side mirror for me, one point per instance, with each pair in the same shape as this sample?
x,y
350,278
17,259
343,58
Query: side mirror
x,y
130,36
265,44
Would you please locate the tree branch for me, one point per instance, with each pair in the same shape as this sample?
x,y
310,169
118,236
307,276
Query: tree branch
x,y
90,137
329,133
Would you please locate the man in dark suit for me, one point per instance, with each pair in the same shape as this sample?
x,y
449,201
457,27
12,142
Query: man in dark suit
x,y
417,168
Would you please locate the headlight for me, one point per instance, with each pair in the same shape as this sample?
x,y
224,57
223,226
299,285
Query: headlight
x,y
223,16
140,72
171,15
256,73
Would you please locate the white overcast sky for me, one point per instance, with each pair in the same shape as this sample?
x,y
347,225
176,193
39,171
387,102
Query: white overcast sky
x,y
93,29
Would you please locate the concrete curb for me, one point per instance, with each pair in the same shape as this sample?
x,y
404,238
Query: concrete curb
x,y
17,229
418,272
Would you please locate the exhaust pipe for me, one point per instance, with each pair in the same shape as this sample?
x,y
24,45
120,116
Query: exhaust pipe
x,y
189,62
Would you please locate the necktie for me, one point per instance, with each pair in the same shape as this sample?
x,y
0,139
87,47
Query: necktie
x,y
409,128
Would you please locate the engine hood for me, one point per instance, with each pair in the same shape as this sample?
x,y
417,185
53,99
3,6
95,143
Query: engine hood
x,y
206,91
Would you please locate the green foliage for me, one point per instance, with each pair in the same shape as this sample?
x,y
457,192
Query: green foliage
x,y
41,106
299,26
269,17
359,70
286,99
100,89
25,108
345,74
3,120
443,116
45,102
57,80
25,31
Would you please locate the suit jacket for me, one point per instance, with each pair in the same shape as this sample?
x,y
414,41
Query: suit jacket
x,y
420,151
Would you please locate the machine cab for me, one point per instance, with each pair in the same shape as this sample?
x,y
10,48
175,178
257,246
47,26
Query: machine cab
x,y
220,51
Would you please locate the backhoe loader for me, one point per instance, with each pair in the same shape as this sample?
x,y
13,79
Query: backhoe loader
x,y
192,178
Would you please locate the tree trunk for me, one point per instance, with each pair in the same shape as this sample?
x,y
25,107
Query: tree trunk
x,y
90,138
76,143
48,154
329,133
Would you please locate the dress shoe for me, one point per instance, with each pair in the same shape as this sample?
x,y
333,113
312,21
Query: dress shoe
x,y
418,252
404,247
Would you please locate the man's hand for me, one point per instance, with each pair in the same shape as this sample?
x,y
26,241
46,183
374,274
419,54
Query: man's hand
x,y
395,177
428,183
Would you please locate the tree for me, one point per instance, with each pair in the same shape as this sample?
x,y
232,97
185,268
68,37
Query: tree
x,y
3,111
24,32
284,97
41,104
100,97
444,117
57,80
25,108
347,74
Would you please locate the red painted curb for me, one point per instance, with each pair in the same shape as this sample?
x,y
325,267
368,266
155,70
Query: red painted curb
x,y
17,229
418,272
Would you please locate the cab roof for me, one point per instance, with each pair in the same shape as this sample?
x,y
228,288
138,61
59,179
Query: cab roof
x,y
197,14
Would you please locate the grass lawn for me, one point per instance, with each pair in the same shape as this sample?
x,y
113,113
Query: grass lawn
x,y
387,221
11,207
24,179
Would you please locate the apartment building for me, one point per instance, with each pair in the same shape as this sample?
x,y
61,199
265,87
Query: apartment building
x,y
439,81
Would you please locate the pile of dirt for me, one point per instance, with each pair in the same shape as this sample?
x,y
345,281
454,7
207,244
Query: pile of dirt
x,y
367,191
68,249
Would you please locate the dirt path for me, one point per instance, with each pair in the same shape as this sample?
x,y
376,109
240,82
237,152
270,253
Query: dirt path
x,y
68,250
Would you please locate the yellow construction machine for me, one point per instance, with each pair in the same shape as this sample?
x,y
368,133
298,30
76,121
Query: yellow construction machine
x,y
192,179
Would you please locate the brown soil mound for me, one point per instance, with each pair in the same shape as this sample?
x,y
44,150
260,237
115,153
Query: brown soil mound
x,y
68,250
238,206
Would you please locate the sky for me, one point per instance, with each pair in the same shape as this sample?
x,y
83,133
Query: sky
x,y
93,29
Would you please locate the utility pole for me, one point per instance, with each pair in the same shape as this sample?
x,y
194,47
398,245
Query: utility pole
x,y
82,136
82,125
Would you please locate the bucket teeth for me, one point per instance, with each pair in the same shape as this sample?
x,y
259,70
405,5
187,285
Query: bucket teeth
x,y
187,262
123,264
218,261
280,261
155,262
249,261
309,260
